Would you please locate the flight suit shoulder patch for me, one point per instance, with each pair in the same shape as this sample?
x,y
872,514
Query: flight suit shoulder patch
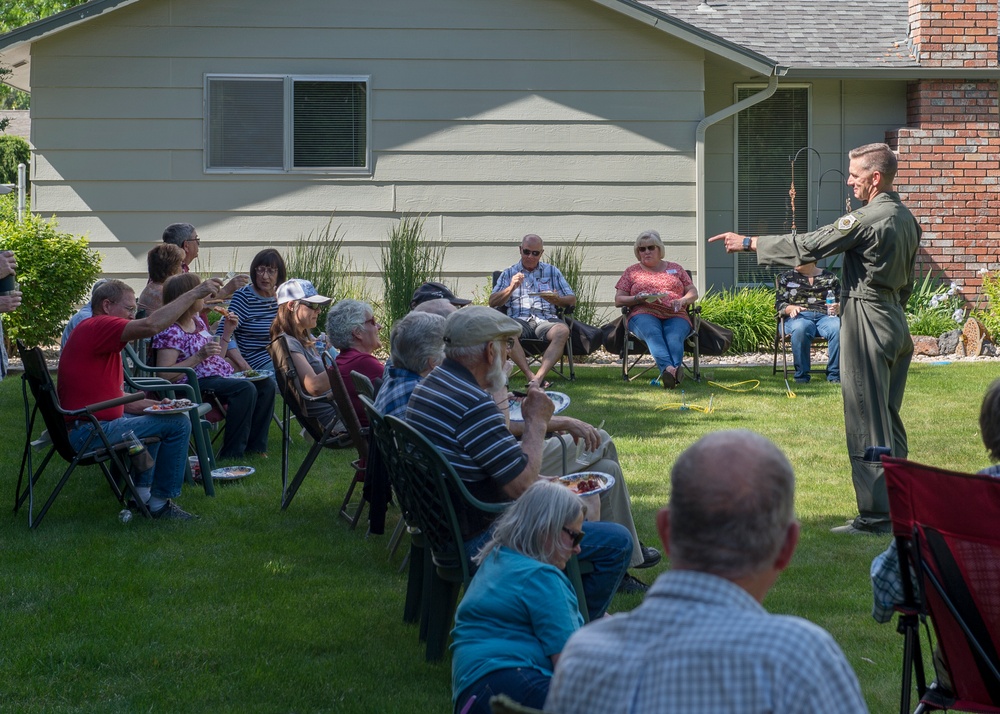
x,y
845,224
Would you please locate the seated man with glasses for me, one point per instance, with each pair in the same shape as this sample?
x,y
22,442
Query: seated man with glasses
x,y
532,290
454,408
184,236
90,371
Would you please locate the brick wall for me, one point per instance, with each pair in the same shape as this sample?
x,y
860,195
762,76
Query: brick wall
x,y
949,152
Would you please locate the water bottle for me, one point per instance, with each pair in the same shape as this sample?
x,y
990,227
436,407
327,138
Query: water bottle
x,y
125,515
830,300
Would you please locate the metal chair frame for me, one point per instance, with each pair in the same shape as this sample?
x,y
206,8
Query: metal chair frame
x,y
633,348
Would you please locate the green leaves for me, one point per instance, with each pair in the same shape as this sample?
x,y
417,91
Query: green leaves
x,y
748,312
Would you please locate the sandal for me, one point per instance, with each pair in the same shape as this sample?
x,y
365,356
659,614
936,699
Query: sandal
x,y
667,378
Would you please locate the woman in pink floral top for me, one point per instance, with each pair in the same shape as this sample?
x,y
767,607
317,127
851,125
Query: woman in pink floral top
x,y
188,343
658,293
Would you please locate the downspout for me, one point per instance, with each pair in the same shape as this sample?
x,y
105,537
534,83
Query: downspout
x,y
699,161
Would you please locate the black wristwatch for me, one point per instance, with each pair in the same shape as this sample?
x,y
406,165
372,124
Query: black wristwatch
x,y
746,243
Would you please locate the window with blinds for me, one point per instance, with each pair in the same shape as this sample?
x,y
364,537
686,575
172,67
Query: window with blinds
x,y
287,123
768,135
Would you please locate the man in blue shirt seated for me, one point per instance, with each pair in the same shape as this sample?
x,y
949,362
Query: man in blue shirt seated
x,y
454,409
701,641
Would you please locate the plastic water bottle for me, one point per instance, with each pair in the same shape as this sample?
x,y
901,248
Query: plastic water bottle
x,y
830,300
125,515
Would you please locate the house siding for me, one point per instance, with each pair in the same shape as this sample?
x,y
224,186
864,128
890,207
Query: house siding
x,y
490,119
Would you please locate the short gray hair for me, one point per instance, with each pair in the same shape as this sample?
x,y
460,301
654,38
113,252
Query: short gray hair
x,y
877,157
732,498
416,339
341,320
532,526
177,233
467,355
112,290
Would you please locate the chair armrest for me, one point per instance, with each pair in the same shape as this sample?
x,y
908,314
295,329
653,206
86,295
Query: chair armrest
x,y
124,399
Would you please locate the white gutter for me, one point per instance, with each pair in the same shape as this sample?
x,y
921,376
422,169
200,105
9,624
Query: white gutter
x,y
699,161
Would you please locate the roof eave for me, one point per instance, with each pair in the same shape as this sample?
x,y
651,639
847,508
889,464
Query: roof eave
x,y
747,58
895,73
15,46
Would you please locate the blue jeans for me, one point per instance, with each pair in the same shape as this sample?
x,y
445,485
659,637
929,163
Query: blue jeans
x,y
665,338
802,329
524,685
248,413
607,546
169,456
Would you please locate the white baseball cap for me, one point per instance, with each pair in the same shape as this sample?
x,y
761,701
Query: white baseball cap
x,y
301,290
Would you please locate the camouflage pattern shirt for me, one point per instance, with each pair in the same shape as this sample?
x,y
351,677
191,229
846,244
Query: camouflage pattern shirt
x,y
794,289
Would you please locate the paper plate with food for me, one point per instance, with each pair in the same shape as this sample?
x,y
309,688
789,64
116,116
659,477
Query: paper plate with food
x,y
253,375
588,483
560,400
170,406
232,473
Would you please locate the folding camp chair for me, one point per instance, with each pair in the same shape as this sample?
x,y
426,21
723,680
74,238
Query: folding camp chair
x,y
945,525
142,377
634,349
97,449
359,438
783,341
534,348
296,401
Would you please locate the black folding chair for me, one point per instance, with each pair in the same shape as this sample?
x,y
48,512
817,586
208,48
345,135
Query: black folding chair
x,y
96,450
945,525
783,341
634,349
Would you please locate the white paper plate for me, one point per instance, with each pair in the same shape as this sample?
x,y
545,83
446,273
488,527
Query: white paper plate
x,y
260,374
572,480
560,400
232,473
158,409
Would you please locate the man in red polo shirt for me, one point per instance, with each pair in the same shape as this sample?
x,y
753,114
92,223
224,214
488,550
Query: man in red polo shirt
x,y
90,371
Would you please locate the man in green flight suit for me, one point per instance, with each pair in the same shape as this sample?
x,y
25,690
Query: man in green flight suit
x,y
879,242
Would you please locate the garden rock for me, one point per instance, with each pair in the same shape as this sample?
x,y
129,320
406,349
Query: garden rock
x,y
948,342
924,345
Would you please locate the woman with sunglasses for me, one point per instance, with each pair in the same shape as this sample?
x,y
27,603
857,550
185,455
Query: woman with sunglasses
x,y
520,608
188,343
351,328
255,306
658,293
298,310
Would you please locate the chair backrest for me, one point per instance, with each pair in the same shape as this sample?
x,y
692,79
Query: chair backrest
x,y
946,524
362,385
43,389
435,489
292,392
342,398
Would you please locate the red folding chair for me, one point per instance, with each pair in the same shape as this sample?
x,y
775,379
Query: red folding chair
x,y
946,529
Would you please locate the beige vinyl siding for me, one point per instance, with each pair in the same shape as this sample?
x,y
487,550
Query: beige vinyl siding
x,y
492,119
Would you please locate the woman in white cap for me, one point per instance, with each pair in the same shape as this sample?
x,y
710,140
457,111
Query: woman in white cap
x,y
255,307
188,343
298,310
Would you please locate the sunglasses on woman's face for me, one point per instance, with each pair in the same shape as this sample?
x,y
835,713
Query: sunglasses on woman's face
x,y
574,536
312,306
644,248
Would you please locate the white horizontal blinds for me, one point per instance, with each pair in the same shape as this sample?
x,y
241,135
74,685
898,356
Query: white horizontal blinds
x,y
246,123
768,136
330,124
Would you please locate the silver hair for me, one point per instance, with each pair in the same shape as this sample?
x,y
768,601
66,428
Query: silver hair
x,y
437,306
533,525
416,340
877,157
343,318
467,354
177,233
654,238
732,497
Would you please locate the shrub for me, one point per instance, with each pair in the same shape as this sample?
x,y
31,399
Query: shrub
x,y
54,272
748,312
934,307
320,258
989,315
570,260
408,261
13,151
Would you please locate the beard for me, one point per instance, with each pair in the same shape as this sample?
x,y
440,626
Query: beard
x,y
495,377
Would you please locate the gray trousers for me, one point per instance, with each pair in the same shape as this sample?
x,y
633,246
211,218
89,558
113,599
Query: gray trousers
x,y
875,353
616,505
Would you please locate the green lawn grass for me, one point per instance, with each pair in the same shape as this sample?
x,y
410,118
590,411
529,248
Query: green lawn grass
x,y
251,609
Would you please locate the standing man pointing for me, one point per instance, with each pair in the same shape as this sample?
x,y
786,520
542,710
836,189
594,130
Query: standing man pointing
x,y
879,242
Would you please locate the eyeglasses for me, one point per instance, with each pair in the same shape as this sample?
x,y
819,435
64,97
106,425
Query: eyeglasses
x,y
194,240
644,248
575,536
535,253
266,270
510,343
312,306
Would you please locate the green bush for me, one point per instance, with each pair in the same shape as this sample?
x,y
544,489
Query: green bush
x,y
54,272
934,307
570,260
989,315
13,151
408,261
320,258
748,312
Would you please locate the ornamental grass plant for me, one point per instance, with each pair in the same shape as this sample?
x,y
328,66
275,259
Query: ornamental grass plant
x,y
748,312
408,261
251,609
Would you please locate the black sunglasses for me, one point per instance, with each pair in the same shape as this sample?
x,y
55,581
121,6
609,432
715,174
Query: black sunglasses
x,y
525,251
575,536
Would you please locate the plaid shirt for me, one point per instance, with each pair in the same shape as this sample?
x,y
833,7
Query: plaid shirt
x,y
394,394
699,643
521,304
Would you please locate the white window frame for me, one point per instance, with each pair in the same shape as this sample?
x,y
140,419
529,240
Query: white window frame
x,y
803,177
288,140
